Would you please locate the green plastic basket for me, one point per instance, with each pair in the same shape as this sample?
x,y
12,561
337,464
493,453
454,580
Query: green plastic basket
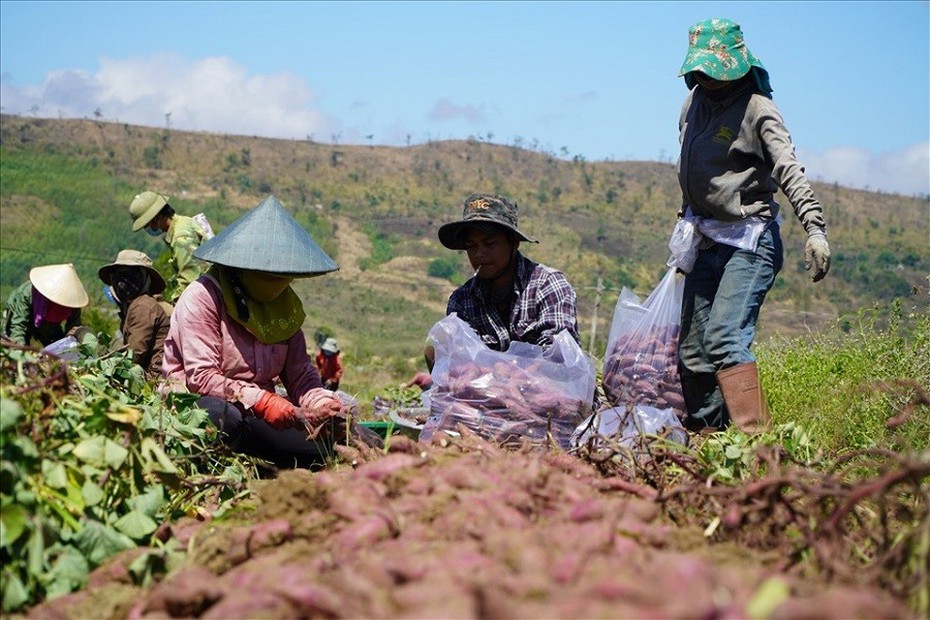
x,y
388,428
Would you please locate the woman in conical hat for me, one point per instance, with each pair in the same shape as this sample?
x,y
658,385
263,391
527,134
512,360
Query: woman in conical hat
x,y
236,331
46,307
133,282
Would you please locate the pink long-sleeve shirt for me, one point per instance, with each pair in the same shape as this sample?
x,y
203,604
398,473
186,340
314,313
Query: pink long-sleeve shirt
x,y
209,353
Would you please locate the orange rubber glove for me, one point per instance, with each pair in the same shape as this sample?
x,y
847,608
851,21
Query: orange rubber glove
x,y
276,410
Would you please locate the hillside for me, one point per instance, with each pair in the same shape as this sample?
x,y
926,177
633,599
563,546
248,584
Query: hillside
x,y
66,185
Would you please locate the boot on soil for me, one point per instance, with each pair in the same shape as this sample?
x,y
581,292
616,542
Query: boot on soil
x,y
742,393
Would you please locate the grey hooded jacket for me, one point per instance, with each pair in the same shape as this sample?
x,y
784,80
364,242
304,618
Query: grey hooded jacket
x,y
735,154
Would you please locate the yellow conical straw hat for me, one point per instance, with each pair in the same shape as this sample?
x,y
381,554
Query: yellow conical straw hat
x,y
61,284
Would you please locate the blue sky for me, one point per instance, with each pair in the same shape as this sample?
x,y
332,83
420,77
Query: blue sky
x,y
595,79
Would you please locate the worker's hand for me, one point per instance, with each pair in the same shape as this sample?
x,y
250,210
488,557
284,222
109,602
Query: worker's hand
x,y
817,255
276,410
79,333
321,404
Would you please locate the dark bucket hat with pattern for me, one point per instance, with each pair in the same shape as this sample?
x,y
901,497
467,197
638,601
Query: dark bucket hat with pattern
x,y
269,239
716,47
479,209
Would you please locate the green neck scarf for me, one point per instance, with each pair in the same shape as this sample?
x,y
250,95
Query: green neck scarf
x,y
271,322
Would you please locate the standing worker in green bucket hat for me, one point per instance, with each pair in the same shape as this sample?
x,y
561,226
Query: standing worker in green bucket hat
x,y
236,332
735,154
151,212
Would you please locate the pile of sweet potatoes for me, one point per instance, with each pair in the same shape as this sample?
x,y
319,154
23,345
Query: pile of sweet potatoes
x,y
460,528
642,368
506,403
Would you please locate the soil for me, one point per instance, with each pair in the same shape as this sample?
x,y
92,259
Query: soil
x,y
460,528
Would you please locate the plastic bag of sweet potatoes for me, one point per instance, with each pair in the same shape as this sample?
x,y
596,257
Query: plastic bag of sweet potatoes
x,y
641,364
526,393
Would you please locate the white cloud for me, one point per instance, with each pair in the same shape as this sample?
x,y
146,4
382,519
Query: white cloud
x,y
212,94
444,110
904,172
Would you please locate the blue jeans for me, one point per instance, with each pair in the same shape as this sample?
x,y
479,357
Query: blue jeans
x,y
722,298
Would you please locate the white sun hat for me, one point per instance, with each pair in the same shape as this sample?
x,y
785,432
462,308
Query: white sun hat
x,y
60,284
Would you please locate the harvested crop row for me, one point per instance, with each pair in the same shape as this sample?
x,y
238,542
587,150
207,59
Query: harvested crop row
x,y
459,528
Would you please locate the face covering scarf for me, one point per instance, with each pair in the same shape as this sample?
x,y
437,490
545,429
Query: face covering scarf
x,y
129,284
44,309
271,321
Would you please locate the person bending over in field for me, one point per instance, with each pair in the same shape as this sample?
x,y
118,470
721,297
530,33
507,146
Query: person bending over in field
x,y
133,283
151,212
46,307
237,330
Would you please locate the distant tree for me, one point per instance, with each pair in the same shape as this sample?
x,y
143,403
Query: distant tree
x,y
98,113
370,137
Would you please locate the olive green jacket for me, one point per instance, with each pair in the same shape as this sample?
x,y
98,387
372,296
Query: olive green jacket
x,y
183,237
19,324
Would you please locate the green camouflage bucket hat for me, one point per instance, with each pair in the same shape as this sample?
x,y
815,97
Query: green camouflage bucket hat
x,y
716,48
482,210
268,239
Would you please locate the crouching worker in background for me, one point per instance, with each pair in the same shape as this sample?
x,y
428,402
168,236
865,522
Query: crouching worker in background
x,y
236,330
45,308
133,282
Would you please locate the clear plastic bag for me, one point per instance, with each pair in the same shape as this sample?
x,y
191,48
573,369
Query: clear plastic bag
x,y
66,349
524,393
684,245
641,365
625,426
204,223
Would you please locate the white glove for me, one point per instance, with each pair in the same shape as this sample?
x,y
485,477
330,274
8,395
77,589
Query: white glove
x,y
817,255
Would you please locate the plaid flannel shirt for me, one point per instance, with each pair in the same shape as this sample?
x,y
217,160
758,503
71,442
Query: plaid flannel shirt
x,y
544,304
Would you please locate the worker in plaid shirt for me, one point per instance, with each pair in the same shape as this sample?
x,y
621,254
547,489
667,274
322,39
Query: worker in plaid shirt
x,y
510,298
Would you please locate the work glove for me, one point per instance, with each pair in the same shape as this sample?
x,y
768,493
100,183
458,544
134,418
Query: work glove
x,y
329,385
276,410
817,255
322,404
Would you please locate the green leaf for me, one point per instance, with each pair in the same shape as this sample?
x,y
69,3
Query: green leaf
x,y
55,474
155,457
98,541
733,452
25,446
10,412
136,524
101,452
91,493
35,555
15,593
150,502
767,598
13,519
69,572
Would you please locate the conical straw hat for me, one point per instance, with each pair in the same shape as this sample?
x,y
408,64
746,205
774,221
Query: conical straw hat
x,y
269,239
60,284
